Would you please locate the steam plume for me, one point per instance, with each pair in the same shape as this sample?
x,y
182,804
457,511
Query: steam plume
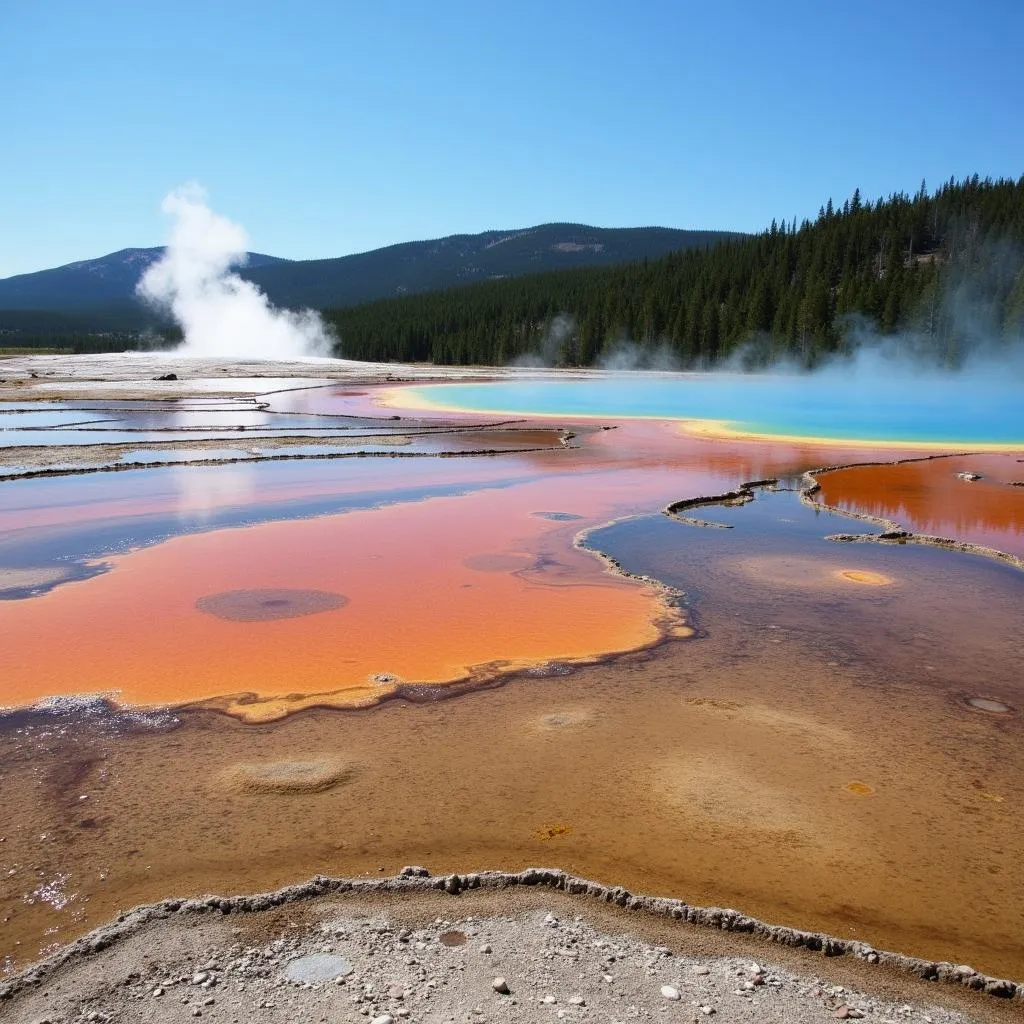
x,y
551,348
219,313
626,355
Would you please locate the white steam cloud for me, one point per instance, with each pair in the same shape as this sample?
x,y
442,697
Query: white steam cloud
x,y
551,347
625,356
220,313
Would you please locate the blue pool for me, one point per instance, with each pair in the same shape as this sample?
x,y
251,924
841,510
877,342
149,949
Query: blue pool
x,y
942,410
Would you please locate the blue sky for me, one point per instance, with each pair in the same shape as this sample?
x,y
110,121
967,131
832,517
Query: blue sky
x,y
334,127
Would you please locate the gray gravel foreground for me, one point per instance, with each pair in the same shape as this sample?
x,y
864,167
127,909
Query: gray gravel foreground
x,y
538,967
380,954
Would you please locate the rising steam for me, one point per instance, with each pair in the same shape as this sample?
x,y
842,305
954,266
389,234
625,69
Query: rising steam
x,y
220,313
552,345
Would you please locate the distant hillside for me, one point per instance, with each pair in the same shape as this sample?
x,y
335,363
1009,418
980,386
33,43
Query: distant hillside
x,y
414,267
102,291
108,281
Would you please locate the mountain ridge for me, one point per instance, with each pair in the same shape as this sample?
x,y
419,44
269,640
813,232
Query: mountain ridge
x,y
112,277
105,286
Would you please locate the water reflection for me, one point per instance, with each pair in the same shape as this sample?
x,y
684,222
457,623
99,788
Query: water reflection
x,y
968,498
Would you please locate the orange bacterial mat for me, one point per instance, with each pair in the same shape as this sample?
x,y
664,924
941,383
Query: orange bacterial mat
x,y
428,592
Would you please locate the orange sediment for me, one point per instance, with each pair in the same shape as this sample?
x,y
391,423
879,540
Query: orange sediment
x,y
928,497
437,591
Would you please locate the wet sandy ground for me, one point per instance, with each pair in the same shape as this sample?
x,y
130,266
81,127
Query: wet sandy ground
x,y
811,775
813,758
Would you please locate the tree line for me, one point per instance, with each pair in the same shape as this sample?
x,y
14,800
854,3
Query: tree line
x,y
942,270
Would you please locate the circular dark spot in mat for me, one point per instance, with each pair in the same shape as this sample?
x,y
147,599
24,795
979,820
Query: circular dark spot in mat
x,y
265,605
510,561
453,938
989,704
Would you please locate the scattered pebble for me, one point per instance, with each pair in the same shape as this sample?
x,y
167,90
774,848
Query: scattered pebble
x,y
564,970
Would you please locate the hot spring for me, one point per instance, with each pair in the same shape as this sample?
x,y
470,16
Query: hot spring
x,y
936,411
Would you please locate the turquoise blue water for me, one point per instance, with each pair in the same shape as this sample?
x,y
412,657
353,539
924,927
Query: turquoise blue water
x,y
943,410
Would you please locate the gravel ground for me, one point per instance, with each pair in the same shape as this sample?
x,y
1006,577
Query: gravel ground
x,y
388,961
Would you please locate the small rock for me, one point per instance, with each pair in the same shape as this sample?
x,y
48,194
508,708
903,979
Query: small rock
x,y
707,1010
670,992
549,1000
701,969
485,948
414,871
577,1001
384,1018
500,985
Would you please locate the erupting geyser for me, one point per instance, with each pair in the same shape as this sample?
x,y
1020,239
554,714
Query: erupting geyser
x,y
220,313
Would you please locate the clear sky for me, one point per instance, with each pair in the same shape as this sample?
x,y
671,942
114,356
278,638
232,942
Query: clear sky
x,y
334,127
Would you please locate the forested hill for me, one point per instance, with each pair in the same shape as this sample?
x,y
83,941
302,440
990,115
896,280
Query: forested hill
x,y
103,290
943,268
413,267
